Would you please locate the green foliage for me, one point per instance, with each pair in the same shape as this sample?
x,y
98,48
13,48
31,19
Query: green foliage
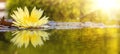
x,y
58,10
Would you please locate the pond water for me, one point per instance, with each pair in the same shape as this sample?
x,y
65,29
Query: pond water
x,y
62,41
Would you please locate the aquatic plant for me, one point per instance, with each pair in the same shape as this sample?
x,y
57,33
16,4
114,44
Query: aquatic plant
x,y
24,19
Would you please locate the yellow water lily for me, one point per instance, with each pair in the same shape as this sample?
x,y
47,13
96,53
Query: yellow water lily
x,y
36,37
24,19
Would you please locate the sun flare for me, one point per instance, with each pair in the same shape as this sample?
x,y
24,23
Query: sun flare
x,y
106,4
110,8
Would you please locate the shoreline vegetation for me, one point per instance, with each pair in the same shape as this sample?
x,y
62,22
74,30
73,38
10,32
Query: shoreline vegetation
x,y
6,24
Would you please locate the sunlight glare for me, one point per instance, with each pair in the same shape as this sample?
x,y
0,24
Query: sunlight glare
x,y
109,7
106,4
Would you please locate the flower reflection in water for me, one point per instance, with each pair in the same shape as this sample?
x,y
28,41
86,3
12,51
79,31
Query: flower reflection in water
x,y
24,37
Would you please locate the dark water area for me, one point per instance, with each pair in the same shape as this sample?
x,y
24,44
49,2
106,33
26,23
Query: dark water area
x,y
62,41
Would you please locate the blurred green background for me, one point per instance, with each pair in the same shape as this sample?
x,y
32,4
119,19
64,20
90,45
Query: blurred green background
x,y
65,10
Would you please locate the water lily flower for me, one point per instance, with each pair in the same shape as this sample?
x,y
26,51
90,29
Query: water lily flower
x,y
24,19
24,37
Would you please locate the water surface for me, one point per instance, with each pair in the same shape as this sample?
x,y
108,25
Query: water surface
x,y
62,41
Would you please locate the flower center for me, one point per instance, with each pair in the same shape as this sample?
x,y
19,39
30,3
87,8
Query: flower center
x,y
30,19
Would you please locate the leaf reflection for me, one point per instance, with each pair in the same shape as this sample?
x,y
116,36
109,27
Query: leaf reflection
x,y
25,37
